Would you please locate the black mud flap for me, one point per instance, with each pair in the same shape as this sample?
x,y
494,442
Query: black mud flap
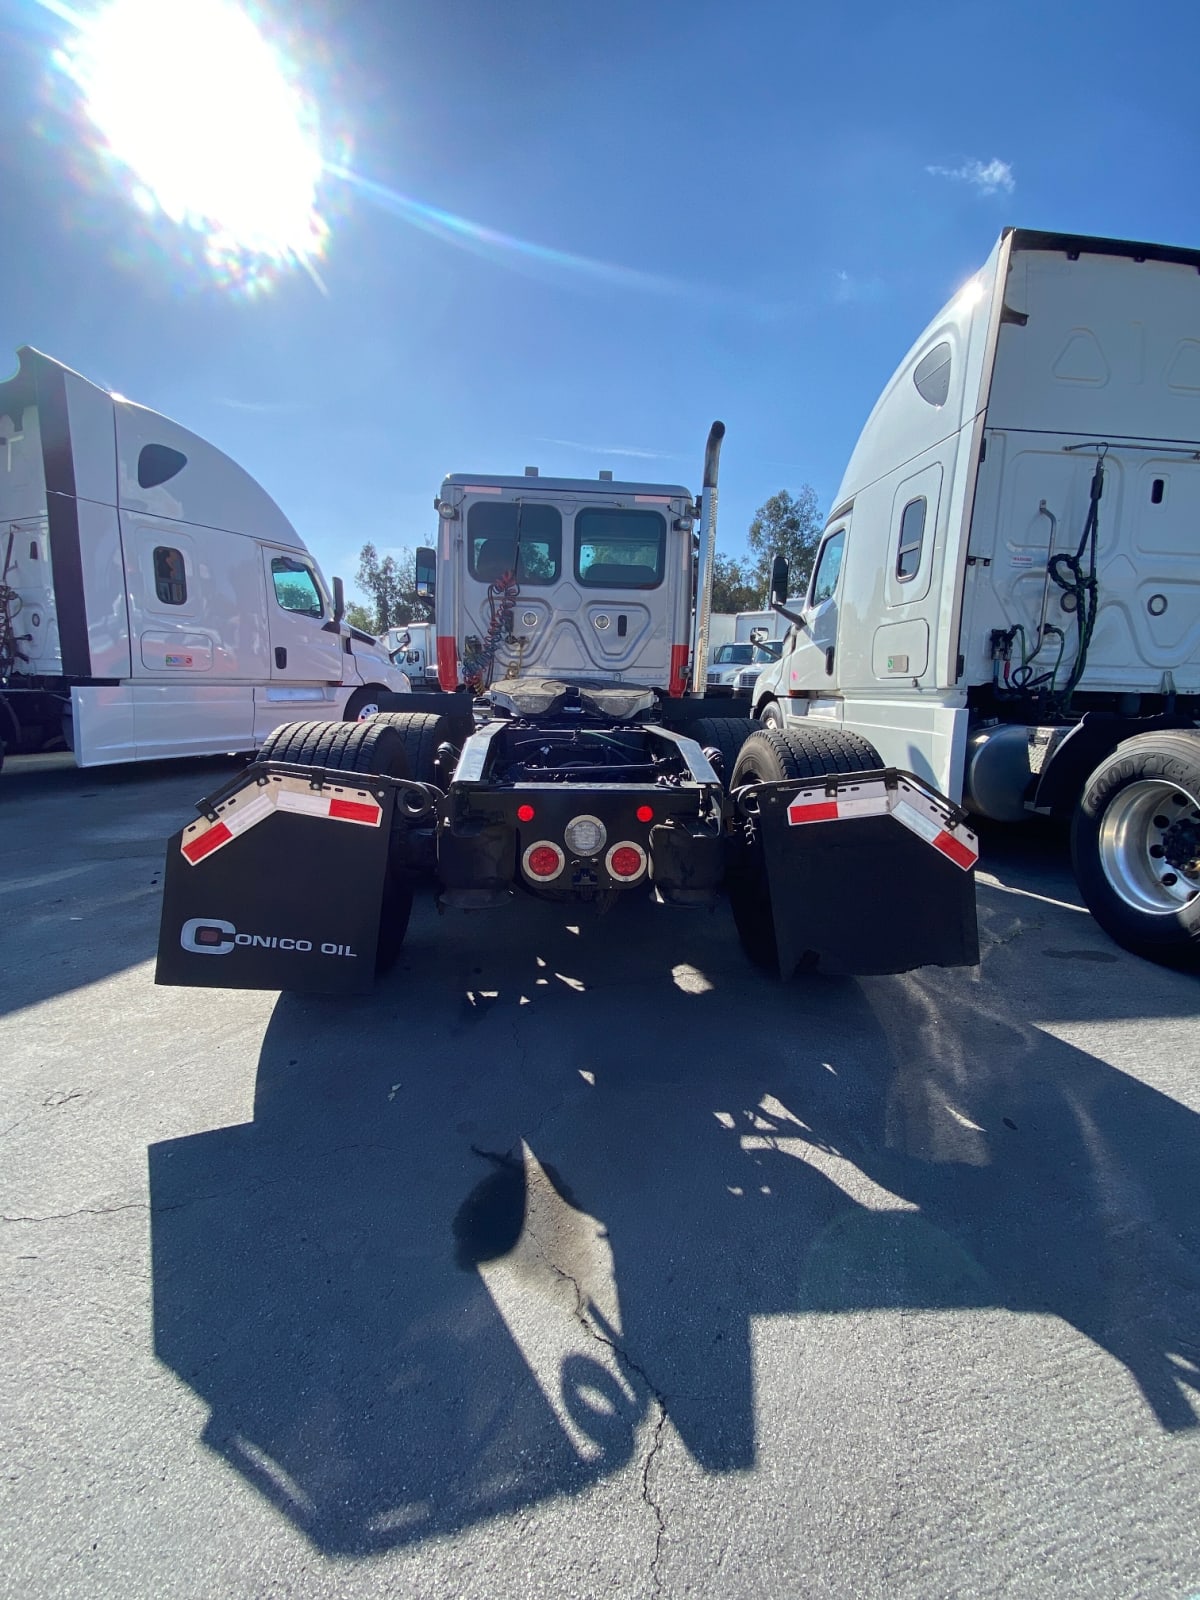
x,y
279,885
855,874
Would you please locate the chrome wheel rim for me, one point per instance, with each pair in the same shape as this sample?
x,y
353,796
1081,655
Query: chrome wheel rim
x,y
1150,846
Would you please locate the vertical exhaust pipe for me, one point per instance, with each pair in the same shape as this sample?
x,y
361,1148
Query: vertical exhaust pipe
x,y
708,555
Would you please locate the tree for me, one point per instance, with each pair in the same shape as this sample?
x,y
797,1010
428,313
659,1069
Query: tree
x,y
359,617
390,585
733,587
790,526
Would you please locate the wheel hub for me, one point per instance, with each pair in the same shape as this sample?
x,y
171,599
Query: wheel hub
x,y
1150,845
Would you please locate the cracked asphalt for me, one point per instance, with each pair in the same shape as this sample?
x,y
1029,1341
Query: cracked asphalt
x,y
579,1260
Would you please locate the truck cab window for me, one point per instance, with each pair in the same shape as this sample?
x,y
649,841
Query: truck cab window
x,y
829,568
493,528
912,536
170,576
620,549
295,587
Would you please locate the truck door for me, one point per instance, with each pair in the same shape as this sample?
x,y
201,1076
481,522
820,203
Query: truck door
x,y
302,650
813,662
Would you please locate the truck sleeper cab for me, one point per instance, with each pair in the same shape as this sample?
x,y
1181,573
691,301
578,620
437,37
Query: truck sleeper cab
x,y
156,601
1007,592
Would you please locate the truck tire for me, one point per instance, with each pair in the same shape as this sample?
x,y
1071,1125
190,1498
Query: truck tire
x,y
371,747
725,735
1135,846
423,734
768,756
367,749
363,703
771,756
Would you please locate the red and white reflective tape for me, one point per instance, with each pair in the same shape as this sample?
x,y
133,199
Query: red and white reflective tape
x,y
908,805
249,806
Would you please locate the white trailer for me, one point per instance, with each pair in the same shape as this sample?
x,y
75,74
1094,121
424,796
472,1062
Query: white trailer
x,y
154,600
1006,597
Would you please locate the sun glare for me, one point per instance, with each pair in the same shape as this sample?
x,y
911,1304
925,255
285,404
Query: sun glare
x,y
198,108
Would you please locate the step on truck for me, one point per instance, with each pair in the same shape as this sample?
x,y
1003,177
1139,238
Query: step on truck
x,y
154,600
569,758
1006,597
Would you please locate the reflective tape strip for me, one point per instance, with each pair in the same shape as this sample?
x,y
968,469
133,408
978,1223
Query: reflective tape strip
x,y
355,811
249,806
819,811
205,843
872,802
956,845
916,811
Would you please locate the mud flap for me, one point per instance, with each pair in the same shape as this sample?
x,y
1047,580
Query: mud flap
x,y
280,885
853,874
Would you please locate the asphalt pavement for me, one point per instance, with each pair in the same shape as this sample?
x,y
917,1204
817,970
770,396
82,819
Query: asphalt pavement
x,y
580,1259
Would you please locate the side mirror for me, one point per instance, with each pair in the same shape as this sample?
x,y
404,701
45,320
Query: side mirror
x,y
339,599
425,573
779,579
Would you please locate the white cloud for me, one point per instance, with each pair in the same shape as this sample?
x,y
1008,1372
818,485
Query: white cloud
x,y
606,450
849,290
989,177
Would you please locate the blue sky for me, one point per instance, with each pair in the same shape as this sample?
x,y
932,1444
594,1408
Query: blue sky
x,y
793,190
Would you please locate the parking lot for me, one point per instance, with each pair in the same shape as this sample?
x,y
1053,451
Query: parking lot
x,y
581,1260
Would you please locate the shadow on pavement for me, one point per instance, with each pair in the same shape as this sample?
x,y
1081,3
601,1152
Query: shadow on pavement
x,y
485,1225
81,857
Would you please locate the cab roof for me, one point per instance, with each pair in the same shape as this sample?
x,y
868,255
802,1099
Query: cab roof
x,y
564,486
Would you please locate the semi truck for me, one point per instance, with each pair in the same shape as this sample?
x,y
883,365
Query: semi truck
x,y
154,600
568,757
1006,596
413,648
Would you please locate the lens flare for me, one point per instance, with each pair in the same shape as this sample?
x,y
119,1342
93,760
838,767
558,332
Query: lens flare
x,y
505,249
202,116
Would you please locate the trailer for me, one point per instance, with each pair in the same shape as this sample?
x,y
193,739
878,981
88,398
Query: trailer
x,y
154,600
1006,596
567,758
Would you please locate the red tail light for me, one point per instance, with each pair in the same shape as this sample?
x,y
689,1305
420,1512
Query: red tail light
x,y
543,860
626,862
525,813
645,813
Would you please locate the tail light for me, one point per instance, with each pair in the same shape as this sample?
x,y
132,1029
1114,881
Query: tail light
x,y
543,861
626,862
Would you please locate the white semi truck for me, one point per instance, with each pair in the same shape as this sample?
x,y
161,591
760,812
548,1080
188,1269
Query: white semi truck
x,y
1006,596
154,600
569,759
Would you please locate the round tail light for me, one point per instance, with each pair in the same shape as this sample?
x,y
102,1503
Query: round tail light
x,y
525,813
543,861
585,836
626,862
645,813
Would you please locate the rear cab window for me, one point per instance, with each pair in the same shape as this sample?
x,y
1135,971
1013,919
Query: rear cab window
x,y
617,548
511,538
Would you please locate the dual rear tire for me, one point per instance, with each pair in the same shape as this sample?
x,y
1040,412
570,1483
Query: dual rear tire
x,y
391,745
